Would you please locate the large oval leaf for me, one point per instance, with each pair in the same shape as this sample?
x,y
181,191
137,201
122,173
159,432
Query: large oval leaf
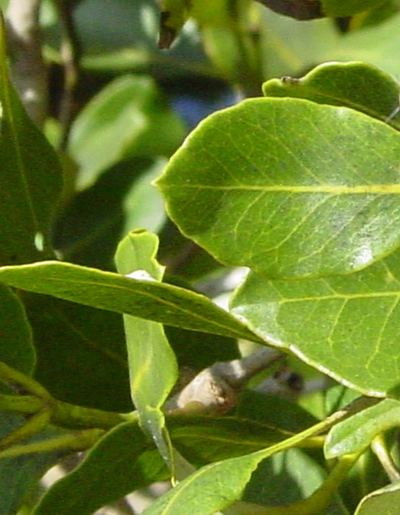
x,y
288,188
348,327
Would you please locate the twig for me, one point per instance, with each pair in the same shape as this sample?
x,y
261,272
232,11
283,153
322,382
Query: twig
x,y
27,68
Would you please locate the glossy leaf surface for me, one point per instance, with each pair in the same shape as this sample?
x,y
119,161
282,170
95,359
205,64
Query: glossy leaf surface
x,y
345,326
142,298
288,188
355,84
30,179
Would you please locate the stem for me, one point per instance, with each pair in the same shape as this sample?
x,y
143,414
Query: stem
x,y
379,447
22,383
73,442
27,68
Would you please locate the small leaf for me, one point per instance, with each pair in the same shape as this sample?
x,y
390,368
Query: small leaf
x,y
153,368
347,326
142,298
384,501
288,188
357,432
30,180
357,85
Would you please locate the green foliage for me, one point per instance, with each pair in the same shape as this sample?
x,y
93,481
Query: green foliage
x,y
131,333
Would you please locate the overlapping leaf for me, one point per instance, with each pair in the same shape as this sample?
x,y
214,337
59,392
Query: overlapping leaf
x,y
151,300
346,326
354,84
288,187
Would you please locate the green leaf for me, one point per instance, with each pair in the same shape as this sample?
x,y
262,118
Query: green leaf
x,y
81,353
253,193
357,432
384,501
30,180
345,326
122,121
142,298
357,85
153,368
121,462
18,476
16,348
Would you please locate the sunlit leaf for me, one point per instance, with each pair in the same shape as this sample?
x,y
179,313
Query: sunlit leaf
x,y
357,432
355,84
153,367
384,501
345,326
142,298
287,187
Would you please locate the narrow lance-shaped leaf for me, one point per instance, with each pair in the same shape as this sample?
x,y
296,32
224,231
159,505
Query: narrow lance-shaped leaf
x,y
288,188
348,327
153,368
151,300
30,180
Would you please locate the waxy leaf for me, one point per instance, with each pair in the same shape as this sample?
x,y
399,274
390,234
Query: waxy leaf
x,y
355,84
357,432
288,188
30,179
151,300
348,327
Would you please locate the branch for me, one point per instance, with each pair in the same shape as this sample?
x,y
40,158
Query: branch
x,y
27,68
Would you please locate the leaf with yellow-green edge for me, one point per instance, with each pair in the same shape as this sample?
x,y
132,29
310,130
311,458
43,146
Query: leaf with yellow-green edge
x,y
288,188
153,368
346,326
357,85
146,299
357,432
30,179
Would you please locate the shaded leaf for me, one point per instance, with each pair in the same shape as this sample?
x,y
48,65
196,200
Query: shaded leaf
x,y
340,8
142,298
18,476
30,180
121,462
357,85
253,192
16,348
81,354
345,326
357,432
90,226
121,121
